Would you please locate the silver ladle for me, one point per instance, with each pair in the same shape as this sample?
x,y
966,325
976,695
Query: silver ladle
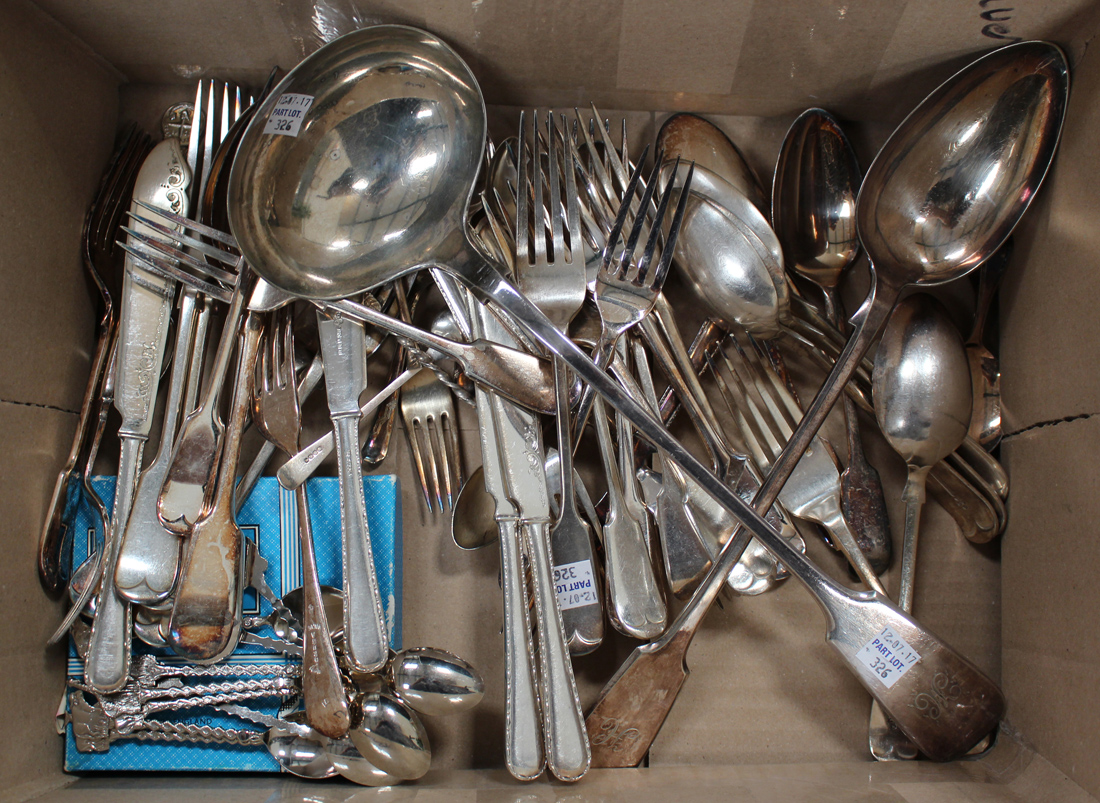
x,y
377,183
921,389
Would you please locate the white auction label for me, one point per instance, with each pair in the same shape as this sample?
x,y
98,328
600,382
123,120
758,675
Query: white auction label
x,y
888,656
574,585
286,118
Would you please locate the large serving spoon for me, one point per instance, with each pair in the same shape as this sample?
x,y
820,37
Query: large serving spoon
x,y
921,389
813,213
376,183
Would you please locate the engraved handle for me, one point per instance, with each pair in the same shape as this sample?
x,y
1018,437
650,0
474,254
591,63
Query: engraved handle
x,y
523,727
322,689
108,662
364,619
568,754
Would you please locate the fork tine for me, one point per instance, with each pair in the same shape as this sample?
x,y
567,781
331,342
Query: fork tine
x,y
627,256
160,267
118,198
673,231
433,445
765,389
169,250
572,200
655,230
193,225
225,257
554,165
418,460
620,218
617,164
522,213
605,183
538,229
453,457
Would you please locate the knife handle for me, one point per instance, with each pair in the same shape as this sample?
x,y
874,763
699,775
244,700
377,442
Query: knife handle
x,y
365,628
568,754
523,724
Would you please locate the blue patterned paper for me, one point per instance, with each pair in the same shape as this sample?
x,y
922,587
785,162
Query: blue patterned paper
x,y
270,518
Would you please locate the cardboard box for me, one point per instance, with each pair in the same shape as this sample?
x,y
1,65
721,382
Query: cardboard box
x,y
768,713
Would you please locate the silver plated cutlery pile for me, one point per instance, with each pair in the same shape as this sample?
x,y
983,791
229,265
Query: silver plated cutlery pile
x,y
342,204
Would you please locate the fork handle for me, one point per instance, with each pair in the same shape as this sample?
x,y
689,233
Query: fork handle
x,y
50,542
364,618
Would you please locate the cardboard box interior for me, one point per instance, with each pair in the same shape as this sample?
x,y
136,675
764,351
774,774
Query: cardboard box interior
x,y
768,713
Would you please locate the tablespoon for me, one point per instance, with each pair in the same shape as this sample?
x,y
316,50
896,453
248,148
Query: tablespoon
x,y
947,189
391,84
695,139
921,388
813,212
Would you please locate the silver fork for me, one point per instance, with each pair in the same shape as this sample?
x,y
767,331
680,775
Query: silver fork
x,y
427,408
277,414
767,422
556,281
626,290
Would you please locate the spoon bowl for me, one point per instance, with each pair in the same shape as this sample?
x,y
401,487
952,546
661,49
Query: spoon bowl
x,y
390,736
921,382
954,178
298,755
436,682
814,199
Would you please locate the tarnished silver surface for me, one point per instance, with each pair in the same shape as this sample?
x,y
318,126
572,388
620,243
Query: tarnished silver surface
x,y
694,139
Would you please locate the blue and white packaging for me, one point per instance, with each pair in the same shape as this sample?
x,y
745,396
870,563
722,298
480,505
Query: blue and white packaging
x,y
270,519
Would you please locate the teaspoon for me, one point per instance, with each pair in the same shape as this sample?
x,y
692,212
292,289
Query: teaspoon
x,y
921,389
813,212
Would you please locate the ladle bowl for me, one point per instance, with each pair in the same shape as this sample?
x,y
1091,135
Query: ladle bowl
x,y
376,177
